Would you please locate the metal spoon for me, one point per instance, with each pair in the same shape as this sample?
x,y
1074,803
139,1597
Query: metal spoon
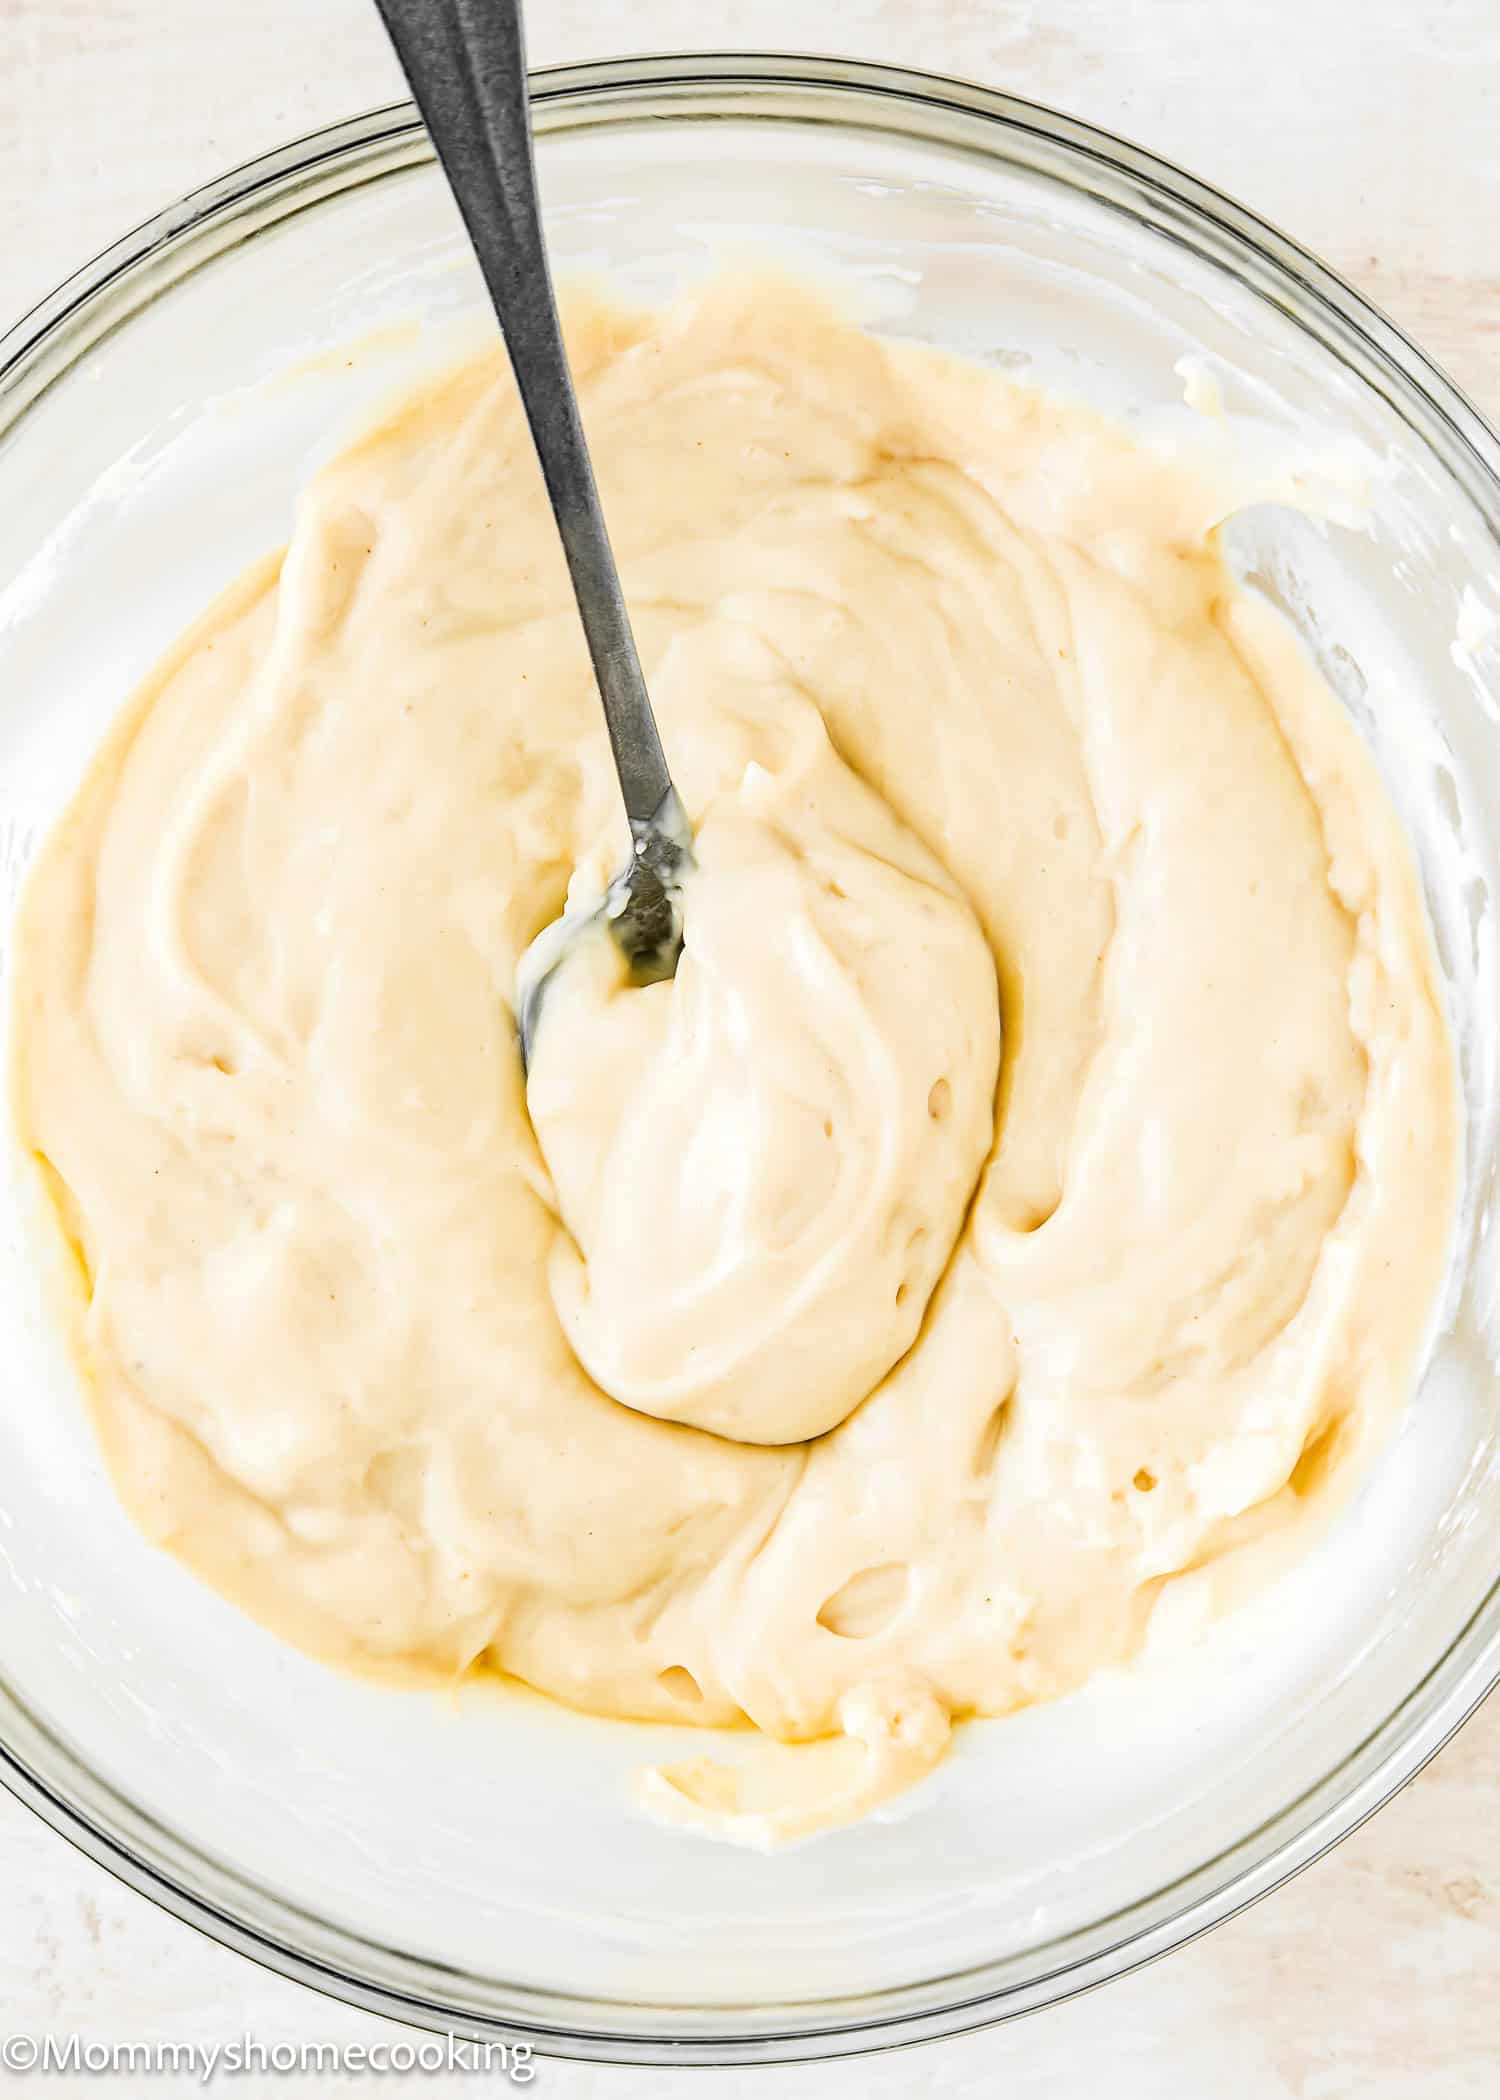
x,y
466,62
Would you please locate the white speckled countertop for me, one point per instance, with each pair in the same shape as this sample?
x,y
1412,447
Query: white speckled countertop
x,y
1369,129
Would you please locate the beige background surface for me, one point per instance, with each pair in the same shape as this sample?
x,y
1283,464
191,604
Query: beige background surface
x,y
1371,129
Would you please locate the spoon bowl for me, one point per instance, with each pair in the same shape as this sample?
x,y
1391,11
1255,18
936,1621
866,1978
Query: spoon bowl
x,y
641,910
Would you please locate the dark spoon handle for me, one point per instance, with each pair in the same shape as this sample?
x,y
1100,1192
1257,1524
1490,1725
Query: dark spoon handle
x,y
466,62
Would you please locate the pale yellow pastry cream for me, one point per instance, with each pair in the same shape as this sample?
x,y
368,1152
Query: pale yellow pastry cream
x,y
1027,1203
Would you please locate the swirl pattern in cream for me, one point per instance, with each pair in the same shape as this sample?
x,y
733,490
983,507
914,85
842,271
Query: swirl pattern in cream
x,y
789,1355
763,1167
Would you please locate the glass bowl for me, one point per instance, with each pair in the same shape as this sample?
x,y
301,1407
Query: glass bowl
x,y
468,1863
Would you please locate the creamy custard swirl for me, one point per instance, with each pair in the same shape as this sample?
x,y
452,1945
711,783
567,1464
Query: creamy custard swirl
x,y
763,1166
787,1356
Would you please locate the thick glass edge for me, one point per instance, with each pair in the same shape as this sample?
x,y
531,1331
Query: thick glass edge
x,y
1384,357
793,2039
585,88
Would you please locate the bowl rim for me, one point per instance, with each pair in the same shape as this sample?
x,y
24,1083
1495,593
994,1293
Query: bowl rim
x,y
147,1856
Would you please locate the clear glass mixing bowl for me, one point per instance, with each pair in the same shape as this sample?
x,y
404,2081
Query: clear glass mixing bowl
x,y
468,1863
